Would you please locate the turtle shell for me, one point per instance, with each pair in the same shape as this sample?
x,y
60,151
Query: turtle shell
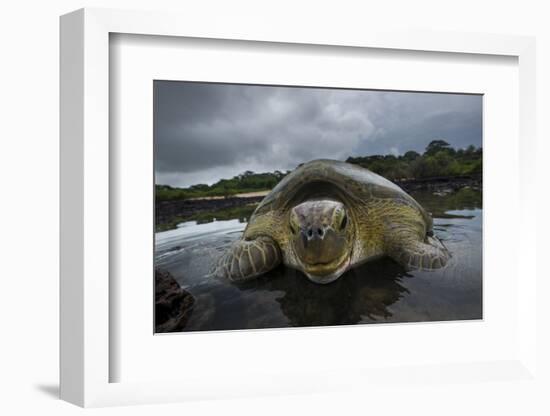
x,y
333,179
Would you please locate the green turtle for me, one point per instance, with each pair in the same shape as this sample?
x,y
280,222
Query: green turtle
x,y
327,217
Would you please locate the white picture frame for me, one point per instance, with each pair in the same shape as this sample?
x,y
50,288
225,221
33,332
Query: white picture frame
x,y
85,209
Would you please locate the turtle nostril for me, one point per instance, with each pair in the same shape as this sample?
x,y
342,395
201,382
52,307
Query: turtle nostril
x,y
320,232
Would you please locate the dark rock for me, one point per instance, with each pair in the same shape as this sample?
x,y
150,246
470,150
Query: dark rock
x,y
173,305
444,184
166,211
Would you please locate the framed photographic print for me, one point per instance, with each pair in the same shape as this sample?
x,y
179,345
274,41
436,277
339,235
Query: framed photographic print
x,y
257,212
264,193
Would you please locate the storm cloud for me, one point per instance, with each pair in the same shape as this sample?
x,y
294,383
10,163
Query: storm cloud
x,y
208,131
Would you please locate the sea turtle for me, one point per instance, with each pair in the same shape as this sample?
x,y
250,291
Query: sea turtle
x,y
328,216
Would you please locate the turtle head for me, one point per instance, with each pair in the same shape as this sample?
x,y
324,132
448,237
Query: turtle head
x,y
321,236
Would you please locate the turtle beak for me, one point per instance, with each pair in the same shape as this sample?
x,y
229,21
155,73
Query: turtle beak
x,y
320,244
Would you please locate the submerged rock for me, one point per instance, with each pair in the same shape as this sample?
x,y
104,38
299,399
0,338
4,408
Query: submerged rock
x,y
173,305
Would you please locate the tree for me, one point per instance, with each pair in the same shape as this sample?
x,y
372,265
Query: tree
x,y
436,146
411,155
199,187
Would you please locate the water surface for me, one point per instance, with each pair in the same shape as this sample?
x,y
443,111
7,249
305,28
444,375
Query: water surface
x,y
379,291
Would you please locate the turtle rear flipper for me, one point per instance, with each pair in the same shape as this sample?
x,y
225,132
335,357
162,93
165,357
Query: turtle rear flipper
x,y
421,255
247,259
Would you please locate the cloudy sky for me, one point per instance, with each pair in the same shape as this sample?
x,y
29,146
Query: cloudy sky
x,y
205,132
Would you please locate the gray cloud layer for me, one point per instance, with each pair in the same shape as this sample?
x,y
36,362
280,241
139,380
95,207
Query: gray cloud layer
x,y
204,132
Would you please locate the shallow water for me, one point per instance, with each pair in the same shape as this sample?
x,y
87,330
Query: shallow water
x,y
377,292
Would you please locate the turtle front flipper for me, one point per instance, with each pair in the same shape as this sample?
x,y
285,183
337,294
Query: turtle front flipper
x,y
246,259
421,255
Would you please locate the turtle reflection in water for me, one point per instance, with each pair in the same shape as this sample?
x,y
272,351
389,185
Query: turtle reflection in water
x,y
327,217
280,298
347,301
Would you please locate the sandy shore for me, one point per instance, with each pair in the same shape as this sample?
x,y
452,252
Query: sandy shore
x,y
243,195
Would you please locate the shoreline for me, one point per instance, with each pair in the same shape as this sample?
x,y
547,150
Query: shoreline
x,y
169,213
240,195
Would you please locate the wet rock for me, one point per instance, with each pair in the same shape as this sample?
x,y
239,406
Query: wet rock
x,y
173,305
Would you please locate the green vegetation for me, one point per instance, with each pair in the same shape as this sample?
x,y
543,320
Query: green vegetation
x,y
439,160
245,182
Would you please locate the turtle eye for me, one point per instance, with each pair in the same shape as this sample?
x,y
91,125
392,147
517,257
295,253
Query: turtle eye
x,y
292,228
344,222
